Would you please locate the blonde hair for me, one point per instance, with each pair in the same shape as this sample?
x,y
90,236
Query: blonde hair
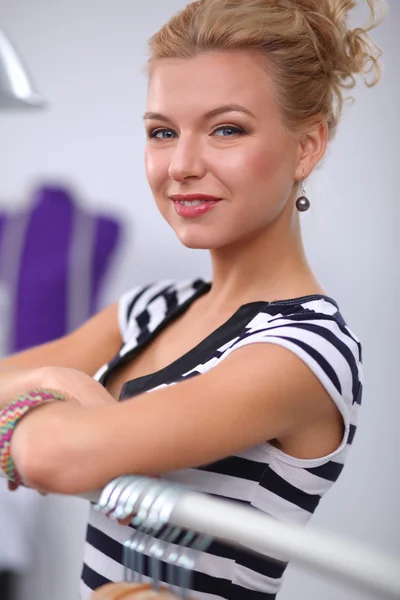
x,y
311,53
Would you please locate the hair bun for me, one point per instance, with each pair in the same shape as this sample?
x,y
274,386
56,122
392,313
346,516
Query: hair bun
x,y
343,52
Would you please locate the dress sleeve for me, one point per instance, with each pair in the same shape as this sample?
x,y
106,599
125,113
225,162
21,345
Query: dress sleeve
x,y
137,300
126,308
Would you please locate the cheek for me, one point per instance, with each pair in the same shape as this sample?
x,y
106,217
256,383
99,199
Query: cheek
x,y
263,166
149,167
155,169
260,179
255,166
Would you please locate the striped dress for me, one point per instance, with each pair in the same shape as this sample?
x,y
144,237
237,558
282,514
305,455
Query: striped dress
x,y
262,476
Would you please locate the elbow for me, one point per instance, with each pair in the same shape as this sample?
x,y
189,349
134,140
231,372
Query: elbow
x,y
39,466
52,459
39,455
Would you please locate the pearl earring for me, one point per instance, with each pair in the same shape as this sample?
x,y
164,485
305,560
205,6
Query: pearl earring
x,y
302,203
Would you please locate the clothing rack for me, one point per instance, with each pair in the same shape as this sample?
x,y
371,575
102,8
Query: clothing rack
x,y
253,530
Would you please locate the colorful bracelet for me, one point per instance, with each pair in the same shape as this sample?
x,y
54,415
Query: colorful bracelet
x,y
10,416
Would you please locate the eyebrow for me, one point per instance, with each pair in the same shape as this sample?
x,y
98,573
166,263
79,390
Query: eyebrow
x,y
208,115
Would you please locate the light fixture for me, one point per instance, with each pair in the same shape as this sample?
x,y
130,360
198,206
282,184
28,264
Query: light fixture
x,y
16,88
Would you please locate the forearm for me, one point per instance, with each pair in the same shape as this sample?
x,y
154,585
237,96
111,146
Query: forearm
x,y
67,448
70,449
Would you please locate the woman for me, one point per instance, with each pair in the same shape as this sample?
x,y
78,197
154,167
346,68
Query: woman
x,y
243,97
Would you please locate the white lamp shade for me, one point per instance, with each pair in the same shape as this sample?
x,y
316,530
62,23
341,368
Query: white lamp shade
x,y
16,88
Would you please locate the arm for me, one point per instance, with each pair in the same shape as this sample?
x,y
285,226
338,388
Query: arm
x,y
67,363
85,349
246,400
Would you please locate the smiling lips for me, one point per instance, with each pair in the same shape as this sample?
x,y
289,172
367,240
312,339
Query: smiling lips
x,y
193,205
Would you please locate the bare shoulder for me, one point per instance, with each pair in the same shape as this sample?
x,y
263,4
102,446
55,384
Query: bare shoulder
x,y
85,349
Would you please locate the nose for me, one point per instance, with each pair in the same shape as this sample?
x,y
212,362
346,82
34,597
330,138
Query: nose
x,y
186,160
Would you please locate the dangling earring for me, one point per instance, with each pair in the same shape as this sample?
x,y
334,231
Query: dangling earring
x,y
302,203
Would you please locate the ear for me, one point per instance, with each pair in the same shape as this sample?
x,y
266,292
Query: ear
x,y
311,148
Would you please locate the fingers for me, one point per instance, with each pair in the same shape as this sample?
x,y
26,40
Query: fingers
x,y
125,521
118,591
130,591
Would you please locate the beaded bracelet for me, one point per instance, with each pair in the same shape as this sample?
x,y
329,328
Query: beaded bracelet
x,y
10,416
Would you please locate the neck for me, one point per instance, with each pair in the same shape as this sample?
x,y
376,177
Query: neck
x,y
270,265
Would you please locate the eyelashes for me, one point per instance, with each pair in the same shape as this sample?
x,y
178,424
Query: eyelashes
x,y
236,130
152,134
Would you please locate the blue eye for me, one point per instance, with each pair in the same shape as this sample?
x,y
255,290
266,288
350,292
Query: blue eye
x,y
234,130
154,134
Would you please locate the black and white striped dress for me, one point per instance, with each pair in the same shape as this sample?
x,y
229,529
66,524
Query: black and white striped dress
x,y
262,476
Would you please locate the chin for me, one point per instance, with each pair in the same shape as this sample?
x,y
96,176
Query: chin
x,y
194,244
196,240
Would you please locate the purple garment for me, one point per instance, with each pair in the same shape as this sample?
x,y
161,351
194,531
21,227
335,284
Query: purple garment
x,y
54,256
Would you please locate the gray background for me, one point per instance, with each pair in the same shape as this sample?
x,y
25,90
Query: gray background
x,y
86,58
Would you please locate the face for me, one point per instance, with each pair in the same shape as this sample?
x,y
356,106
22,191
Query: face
x,y
213,127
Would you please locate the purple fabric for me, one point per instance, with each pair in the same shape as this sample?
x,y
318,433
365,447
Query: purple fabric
x,y
3,221
108,235
42,286
44,275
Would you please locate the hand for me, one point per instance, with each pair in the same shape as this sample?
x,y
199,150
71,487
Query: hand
x,y
127,520
78,386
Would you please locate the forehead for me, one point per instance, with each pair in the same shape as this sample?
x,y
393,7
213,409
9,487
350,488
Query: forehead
x,y
204,81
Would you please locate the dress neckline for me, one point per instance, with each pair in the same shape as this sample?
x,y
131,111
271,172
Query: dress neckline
x,y
205,287
183,363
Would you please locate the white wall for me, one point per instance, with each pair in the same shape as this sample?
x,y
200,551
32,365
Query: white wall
x,y
86,58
